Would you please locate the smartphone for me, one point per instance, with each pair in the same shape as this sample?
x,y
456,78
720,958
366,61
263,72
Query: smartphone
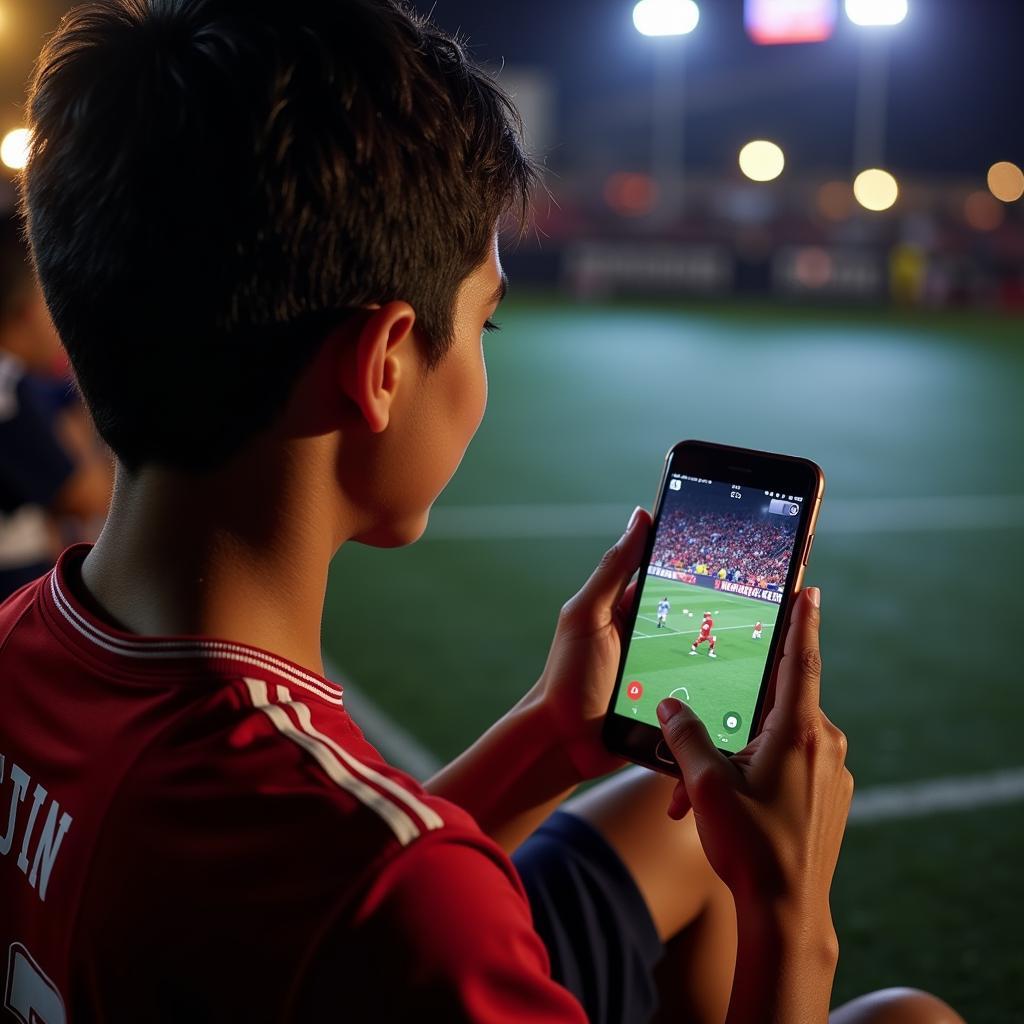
x,y
732,533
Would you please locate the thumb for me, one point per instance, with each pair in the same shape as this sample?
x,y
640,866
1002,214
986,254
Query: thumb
x,y
612,575
701,765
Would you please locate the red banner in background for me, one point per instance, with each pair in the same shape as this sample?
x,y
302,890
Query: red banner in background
x,y
771,22
761,593
713,582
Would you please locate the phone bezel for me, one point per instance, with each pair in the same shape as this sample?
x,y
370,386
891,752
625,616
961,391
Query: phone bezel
x,y
638,741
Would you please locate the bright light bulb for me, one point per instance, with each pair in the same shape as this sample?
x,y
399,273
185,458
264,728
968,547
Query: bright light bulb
x,y
761,160
14,148
666,17
876,12
875,189
1006,181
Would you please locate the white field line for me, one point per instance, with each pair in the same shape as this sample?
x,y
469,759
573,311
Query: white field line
x,y
891,802
898,802
838,515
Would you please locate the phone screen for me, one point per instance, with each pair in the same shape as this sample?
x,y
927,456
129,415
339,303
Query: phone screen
x,y
709,603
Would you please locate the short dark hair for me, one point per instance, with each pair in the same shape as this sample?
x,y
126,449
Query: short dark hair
x,y
213,184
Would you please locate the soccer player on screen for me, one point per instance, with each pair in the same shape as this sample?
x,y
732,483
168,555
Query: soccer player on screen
x,y
663,608
705,634
756,635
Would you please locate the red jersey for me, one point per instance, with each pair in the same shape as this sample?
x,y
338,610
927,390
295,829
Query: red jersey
x,y
196,830
705,627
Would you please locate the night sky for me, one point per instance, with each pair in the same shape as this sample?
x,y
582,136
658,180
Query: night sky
x,y
956,97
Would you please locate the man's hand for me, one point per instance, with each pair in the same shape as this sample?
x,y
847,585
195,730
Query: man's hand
x,y
771,821
576,684
771,818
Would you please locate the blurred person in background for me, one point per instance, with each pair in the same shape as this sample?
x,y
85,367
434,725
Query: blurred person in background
x,y
55,478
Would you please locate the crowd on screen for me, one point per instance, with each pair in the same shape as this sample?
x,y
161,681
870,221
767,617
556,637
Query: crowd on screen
x,y
728,545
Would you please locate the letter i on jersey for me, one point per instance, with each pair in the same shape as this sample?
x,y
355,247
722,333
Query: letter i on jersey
x,y
39,865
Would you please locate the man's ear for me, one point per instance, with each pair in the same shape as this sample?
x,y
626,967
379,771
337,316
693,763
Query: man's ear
x,y
372,368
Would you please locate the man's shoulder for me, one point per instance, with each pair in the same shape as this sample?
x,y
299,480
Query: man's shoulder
x,y
320,752
270,807
270,756
255,830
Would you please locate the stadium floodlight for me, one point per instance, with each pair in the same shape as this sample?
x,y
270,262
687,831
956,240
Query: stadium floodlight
x,y
875,189
1006,181
668,121
869,13
762,160
666,17
14,148
873,78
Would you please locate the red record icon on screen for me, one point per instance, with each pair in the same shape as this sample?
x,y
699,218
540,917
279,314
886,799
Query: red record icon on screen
x,y
635,690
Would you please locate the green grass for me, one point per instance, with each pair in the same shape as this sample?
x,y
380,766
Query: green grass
x,y
935,903
721,690
584,402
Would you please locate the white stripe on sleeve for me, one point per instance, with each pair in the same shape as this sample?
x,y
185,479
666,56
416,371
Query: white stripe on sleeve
x,y
404,828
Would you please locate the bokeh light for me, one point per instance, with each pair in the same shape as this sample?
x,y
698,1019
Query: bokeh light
x,y
813,267
762,160
876,12
982,212
835,201
666,17
875,189
14,148
631,193
1006,181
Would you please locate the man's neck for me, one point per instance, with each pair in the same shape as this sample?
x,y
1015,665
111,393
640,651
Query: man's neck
x,y
213,557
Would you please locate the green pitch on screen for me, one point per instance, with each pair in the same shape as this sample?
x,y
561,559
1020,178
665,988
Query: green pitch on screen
x,y
721,690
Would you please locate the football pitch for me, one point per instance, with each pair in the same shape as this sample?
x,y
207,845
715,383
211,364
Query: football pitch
x,y
917,420
721,690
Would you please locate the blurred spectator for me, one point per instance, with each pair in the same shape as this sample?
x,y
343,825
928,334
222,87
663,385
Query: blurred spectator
x,y
55,478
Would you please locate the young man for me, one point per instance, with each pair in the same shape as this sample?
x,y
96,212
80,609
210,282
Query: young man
x,y
663,610
266,232
756,635
705,636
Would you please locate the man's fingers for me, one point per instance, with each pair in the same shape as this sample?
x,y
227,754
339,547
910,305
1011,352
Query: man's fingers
x,y
680,803
608,581
625,604
798,684
702,766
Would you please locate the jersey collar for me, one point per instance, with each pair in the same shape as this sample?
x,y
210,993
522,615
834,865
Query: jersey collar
x,y
79,626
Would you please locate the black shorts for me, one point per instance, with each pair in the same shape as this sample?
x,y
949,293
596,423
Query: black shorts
x,y
593,919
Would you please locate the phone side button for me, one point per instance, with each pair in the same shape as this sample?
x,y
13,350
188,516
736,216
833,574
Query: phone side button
x,y
662,753
807,552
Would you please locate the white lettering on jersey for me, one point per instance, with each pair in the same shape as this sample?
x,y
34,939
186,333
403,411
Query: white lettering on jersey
x,y
29,993
48,847
39,866
37,801
19,784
